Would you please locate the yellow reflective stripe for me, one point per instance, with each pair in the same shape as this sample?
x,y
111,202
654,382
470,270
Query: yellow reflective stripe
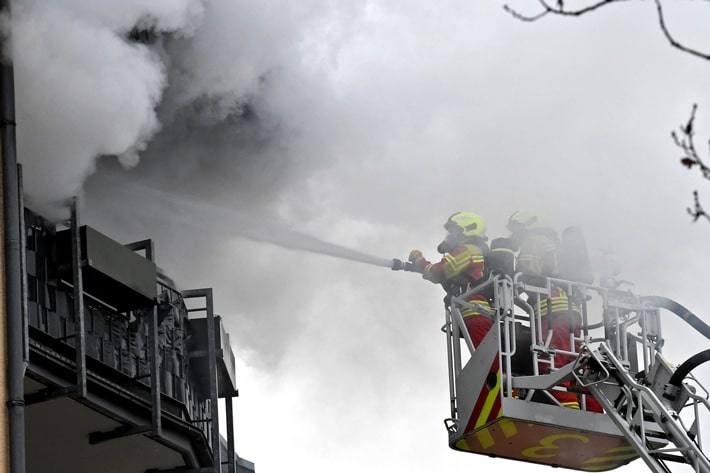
x,y
614,458
529,263
508,428
623,448
462,445
559,304
571,405
484,436
457,263
467,312
503,250
473,313
524,258
488,405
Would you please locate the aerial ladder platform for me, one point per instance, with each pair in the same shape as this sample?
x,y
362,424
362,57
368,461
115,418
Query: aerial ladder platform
x,y
652,409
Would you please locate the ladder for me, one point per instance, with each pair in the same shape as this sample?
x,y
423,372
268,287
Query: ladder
x,y
648,421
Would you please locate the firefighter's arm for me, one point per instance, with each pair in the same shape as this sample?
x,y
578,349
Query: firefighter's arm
x,y
431,272
418,261
450,266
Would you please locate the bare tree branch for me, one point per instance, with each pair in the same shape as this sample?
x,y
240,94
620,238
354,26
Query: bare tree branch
x,y
558,10
690,159
521,17
698,211
686,142
672,40
685,139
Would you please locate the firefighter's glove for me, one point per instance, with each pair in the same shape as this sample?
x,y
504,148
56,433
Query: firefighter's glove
x,y
415,256
416,261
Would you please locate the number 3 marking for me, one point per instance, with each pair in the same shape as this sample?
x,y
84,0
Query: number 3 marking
x,y
549,443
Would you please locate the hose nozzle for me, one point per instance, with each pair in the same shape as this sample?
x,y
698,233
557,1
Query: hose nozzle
x,y
399,265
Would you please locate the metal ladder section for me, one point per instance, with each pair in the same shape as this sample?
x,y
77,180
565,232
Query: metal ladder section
x,y
648,421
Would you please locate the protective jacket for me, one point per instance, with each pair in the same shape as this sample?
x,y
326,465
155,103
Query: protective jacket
x,y
462,267
538,257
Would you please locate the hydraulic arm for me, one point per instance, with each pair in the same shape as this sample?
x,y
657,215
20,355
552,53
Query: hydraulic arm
x,y
647,418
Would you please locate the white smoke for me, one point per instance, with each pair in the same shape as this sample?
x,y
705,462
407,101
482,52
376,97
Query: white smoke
x,y
229,101
101,79
85,89
338,115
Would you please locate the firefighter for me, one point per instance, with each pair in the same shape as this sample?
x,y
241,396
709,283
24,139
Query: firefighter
x,y
538,258
462,266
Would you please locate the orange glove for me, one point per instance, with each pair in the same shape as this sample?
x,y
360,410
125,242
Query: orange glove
x,y
415,255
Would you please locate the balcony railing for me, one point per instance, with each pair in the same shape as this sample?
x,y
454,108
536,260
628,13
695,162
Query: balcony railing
x,y
119,321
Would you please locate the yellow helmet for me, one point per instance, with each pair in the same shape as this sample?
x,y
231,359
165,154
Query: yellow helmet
x,y
467,223
526,220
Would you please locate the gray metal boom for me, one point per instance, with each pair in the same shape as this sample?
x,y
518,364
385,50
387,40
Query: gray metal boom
x,y
656,432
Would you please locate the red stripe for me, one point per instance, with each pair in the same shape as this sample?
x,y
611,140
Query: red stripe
x,y
482,396
477,408
495,409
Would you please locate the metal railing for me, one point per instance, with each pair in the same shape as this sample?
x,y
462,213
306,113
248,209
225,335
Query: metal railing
x,y
149,346
626,324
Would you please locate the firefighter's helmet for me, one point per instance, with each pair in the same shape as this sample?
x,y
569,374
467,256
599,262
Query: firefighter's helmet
x,y
467,224
526,220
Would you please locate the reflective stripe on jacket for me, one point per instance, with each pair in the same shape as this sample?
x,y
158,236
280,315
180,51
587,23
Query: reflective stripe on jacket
x,y
559,302
538,256
458,269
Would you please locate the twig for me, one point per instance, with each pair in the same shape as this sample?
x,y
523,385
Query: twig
x,y
558,10
690,159
671,39
686,142
697,211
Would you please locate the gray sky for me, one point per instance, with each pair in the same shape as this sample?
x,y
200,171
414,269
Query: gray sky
x,y
364,124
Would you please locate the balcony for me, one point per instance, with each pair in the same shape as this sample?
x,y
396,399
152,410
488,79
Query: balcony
x,y
121,375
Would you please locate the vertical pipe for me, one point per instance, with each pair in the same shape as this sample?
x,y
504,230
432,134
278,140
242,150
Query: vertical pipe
x,y
155,374
448,326
503,300
79,331
212,369
230,435
13,269
23,271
